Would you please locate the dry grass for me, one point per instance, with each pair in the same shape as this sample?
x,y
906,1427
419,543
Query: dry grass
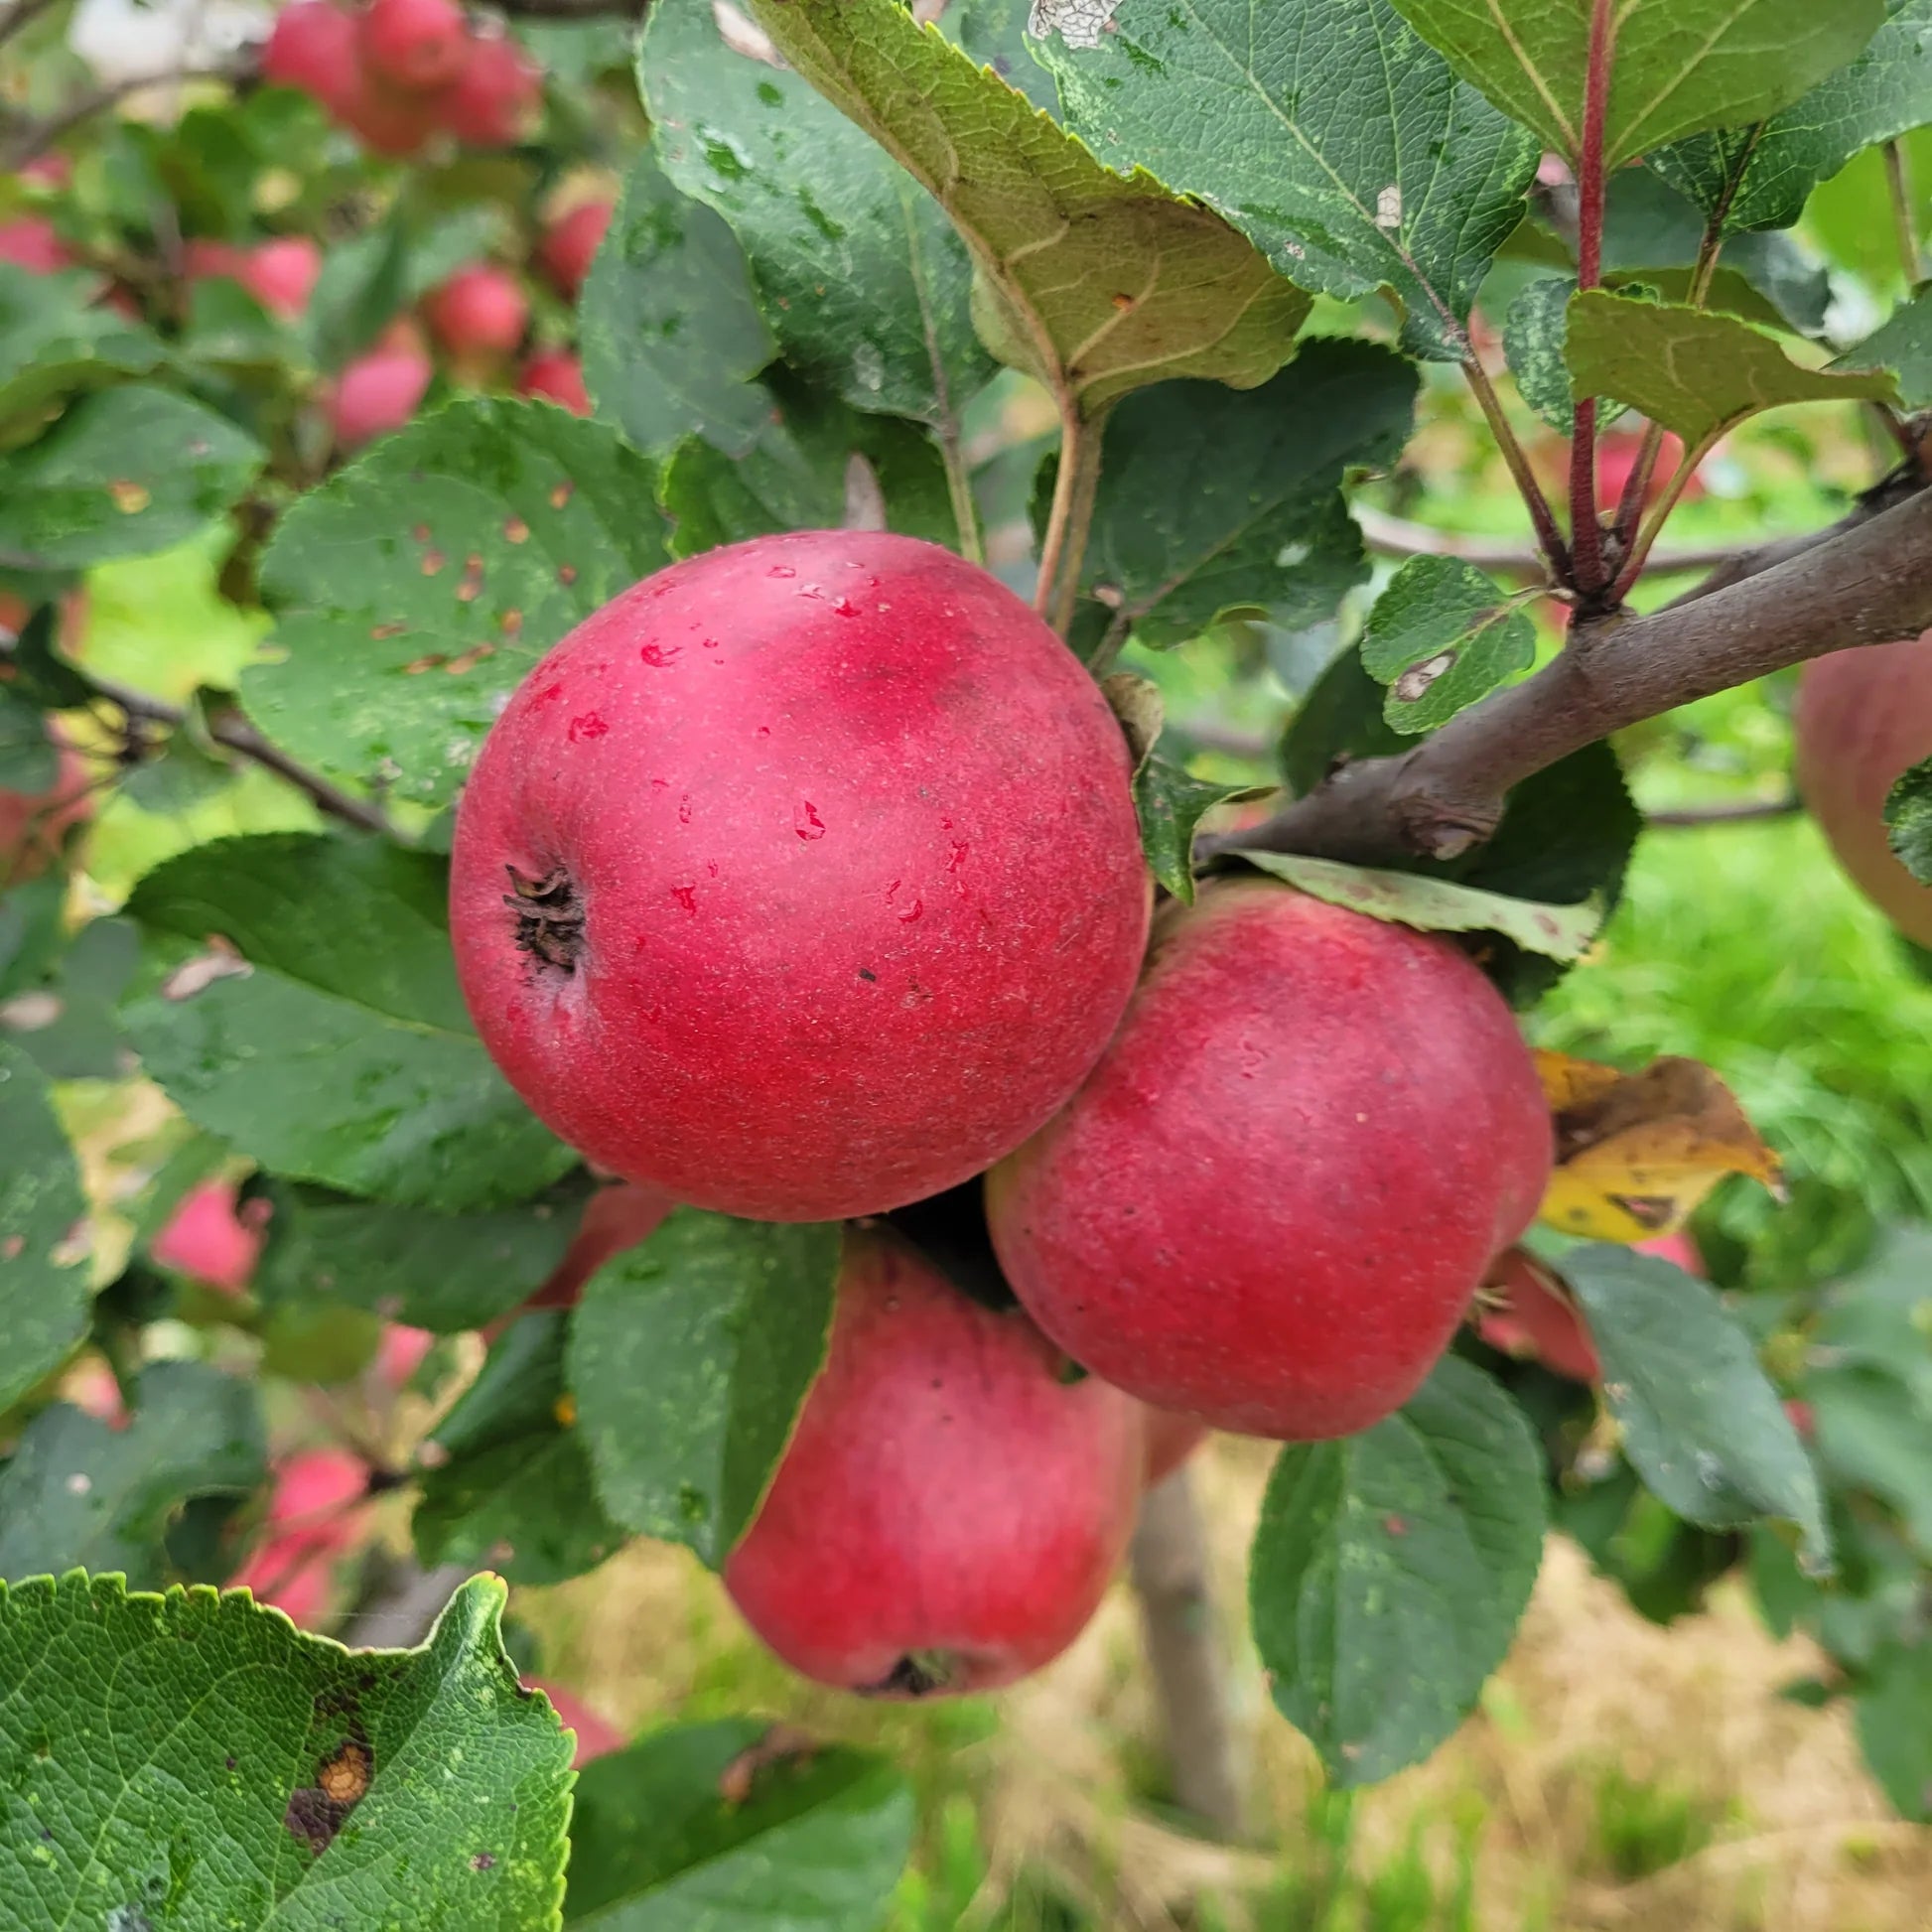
x,y
1596,1711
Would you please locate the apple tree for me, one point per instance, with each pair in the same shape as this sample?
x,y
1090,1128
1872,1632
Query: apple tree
x,y
605,932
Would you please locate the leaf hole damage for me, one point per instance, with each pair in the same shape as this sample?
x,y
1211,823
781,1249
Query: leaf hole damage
x,y
549,920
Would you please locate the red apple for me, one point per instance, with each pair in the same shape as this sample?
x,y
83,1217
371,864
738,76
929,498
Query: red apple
x,y
48,171
558,377
478,312
1678,1248
313,46
1862,717
376,393
1535,1321
281,274
494,97
314,1518
802,879
1616,459
387,119
1170,1440
570,245
1272,1201
28,241
596,1736
417,45
210,1240
400,1352
951,1506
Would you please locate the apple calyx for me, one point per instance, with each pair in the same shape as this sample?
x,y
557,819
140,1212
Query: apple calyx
x,y
917,1674
549,921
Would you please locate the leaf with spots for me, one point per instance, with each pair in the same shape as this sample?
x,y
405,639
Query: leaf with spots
x,y
689,1357
1700,1422
1390,1569
414,589
189,1760
1094,283
123,473
42,1251
79,1493
1534,329
299,1001
1327,131
863,279
1908,820
1442,635
736,1827
1903,345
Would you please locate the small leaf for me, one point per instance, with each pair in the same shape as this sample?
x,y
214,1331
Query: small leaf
x,y
1676,66
1534,332
728,1828
1171,802
673,340
1903,345
1390,1569
1908,820
1335,140
53,345
1093,283
79,1493
44,1293
1437,904
1441,637
479,535
689,1357
122,474
214,1785
1636,1152
29,762
300,1002
1701,1423
1895,1723
1698,374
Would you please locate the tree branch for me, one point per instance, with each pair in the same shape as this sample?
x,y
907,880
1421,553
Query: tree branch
x,y
36,137
1868,582
1739,811
1395,536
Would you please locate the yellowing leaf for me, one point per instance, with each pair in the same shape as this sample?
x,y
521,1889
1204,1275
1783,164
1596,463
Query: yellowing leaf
x,y
1637,1152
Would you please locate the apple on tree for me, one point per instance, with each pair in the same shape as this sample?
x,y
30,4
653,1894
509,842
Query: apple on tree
x,y
315,1517
211,1239
570,245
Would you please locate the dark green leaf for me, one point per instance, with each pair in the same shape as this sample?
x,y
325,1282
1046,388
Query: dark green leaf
x,y
689,1357
1213,502
864,280
1095,284
479,536
42,1278
1895,1720
71,1029
123,473
1699,1421
660,1842
1441,637
28,759
518,1390
213,1785
54,346
1903,345
1677,66
1908,820
1875,1434
1389,1568
1759,176
301,1003
673,336
80,1494
1882,1316
1533,337
1170,804
35,669
1340,718
1331,136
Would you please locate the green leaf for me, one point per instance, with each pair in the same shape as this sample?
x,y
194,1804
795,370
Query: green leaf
x,y
1758,177
1390,1569
659,1843
1903,345
1437,905
1875,1434
301,1003
76,1035
123,473
1881,1317
442,1272
1213,504
509,1482
1095,284
797,476
994,33
192,1761
28,760
1895,1723
1340,716
1442,635
79,1493
43,1282
864,280
1331,135
1676,66
689,1357
673,336
1699,1421
1697,373
1908,820
1171,802
479,536
54,346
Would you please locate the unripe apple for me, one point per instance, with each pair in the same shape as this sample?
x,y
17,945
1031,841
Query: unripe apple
x,y
952,1505
1274,1198
802,879
313,46
478,312
417,45
556,375
1533,1319
376,393
570,245
209,1238
33,823
28,241
1862,717
495,96
1170,1440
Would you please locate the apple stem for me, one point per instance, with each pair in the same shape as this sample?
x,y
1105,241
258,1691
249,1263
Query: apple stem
x,y
1168,1565
1586,530
1077,485
959,484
